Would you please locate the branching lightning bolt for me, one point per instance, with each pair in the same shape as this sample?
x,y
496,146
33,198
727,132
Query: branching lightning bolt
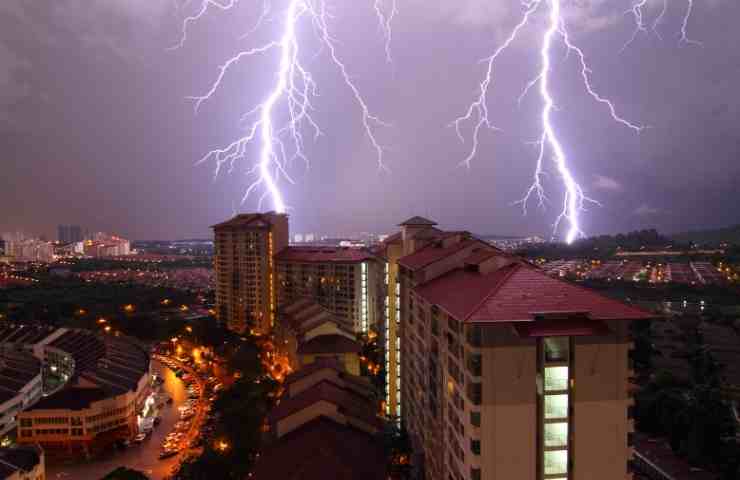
x,y
638,13
291,95
574,198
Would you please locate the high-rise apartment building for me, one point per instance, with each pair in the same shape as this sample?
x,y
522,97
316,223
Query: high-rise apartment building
x,y
245,249
504,372
69,233
346,281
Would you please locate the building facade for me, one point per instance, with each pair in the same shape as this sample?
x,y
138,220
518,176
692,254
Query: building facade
x,y
504,371
69,233
245,249
346,281
95,387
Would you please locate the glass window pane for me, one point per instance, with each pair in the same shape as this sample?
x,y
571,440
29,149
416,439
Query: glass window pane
x,y
556,406
556,462
556,378
556,349
556,434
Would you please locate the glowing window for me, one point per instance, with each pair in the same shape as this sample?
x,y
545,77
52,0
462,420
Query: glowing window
x,y
556,378
556,462
556,434
556,406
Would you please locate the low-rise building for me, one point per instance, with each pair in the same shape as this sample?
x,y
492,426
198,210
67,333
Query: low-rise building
x,y
325,426
95,387
307,331
22,463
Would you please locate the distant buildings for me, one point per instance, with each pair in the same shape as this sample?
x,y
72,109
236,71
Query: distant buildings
x,y
69,234
106,246
29,250
514,243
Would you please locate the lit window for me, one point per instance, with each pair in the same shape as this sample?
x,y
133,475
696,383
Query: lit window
x,y
556,406
556,435
556,462
556,378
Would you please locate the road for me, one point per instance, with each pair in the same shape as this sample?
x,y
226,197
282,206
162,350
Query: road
x,y
142,457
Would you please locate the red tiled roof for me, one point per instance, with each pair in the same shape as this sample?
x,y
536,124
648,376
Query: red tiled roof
x,y
329,344
320,450
432,253
528,291
518,293
351,403
323,255
460,291
317,365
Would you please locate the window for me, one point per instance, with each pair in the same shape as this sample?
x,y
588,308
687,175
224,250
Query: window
x,y
475,419
475,392
475,364
556,462
556,435
475,446
556,378
475,474
556,406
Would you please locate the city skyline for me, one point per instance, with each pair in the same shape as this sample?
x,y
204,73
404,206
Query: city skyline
x,y
132,152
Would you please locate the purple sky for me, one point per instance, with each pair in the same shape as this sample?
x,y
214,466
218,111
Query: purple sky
x,y
95,127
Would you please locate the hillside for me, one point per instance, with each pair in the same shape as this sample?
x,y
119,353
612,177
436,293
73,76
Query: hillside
x,y
730,235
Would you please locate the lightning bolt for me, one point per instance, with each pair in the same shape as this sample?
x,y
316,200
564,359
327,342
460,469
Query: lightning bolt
x,y
685,25
385,20
290,97
638,13
574,198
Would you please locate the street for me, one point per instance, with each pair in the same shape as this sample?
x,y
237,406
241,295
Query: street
x,y
142,457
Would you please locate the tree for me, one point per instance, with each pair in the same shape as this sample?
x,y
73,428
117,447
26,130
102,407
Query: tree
x,y
123,473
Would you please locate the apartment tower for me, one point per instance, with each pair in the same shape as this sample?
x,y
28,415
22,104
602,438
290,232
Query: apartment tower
x,y
245,249
504,372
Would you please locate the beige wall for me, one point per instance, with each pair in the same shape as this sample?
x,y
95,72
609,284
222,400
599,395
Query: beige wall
x,y
509,407
600,421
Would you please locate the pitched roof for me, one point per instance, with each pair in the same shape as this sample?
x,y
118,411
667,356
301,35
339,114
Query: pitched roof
x,y
433,253
324,255
529,291
460,291
351,403
322,449
329,344
417,221
518,293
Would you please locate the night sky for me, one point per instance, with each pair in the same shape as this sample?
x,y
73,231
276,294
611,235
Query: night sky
x,y
96,129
